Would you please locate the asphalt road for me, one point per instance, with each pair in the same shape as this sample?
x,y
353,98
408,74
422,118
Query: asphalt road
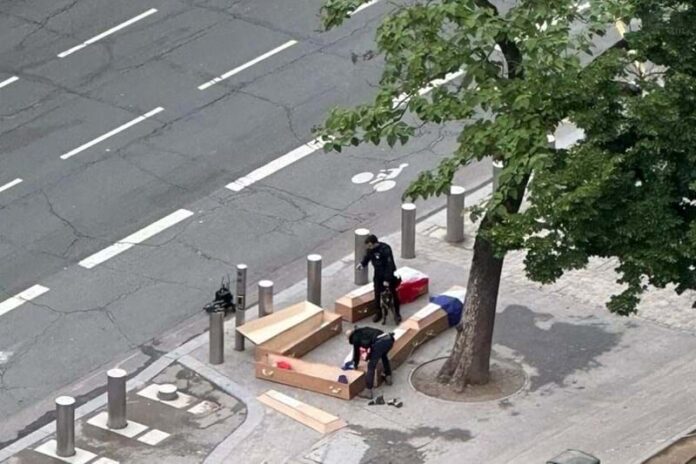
x,y
110,133
115,135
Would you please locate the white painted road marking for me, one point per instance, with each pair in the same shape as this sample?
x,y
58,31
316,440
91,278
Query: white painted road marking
x,y
309,148
153,437
112,133
363,6
7,82
247,65
404,98
80,457
21,298
132,429
107,33
9,185
275,165
136,238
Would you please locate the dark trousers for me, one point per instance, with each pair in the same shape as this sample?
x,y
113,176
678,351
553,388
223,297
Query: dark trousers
x,y
379,288
379,350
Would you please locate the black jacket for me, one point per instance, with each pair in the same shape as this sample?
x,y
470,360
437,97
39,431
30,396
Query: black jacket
x,y
363,337
382,259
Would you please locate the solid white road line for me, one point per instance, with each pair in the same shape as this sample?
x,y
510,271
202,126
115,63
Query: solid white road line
x,y
403,98
112,133
9,185
309,148
136,238
7,82
363,6
251,63
21,298
107,33
275,165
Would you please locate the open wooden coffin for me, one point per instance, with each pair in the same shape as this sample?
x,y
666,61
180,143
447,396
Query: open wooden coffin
x,y
304,337
316,377
293,331
360,303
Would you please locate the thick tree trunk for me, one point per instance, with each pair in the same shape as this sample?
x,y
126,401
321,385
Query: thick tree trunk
x,y
469,362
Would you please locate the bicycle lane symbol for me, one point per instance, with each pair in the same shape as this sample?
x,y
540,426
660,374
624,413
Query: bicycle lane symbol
x,y
382,181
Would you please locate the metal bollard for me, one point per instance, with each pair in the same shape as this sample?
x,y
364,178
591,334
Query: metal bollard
x,y
361,276
455,214
497,169
216,340
65,426
239,315
408,231
116,395
265,298
314,279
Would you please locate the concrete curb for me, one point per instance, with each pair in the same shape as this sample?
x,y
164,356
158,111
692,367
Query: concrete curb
x,y
182,355
255,412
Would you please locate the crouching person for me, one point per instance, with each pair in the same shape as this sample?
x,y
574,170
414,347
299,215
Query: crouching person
x,y
378,345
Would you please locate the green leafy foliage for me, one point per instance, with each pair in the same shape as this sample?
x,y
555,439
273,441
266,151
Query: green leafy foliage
x,y
627,191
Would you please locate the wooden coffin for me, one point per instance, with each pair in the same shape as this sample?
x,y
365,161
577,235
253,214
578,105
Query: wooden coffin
x,y
404,345
429,318
304,337
312,417
316,377
357,304
262,330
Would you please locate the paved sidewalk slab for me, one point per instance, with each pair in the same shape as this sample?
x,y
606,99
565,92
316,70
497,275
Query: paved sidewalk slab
x,y
615,387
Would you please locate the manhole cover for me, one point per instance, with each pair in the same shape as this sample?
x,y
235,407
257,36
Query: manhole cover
x,y
507,378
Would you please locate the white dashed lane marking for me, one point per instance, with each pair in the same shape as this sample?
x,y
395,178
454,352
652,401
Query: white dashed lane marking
x,y
9,81
247,65
98,37
111,133
136,238
21,298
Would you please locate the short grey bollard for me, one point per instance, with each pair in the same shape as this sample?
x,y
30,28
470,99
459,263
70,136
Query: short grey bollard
x,y
216,340
408,231
361,277
455,214
314,279
167,392
265,298
240,307
497,169
116,398
65,426
572,456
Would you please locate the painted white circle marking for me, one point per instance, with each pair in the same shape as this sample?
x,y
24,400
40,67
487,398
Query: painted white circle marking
x,y
385,185
362,178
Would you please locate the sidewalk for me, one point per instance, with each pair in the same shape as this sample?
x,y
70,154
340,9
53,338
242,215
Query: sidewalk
x,y
619,388
615,387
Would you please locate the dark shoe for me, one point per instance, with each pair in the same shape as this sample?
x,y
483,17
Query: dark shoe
x,y
366,394
397,320
377,318
379,400
388,380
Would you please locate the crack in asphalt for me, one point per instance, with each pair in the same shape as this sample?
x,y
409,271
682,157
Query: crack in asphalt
x,y
75,231
41,24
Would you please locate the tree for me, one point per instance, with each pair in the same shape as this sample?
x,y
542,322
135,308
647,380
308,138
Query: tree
x,y
522,77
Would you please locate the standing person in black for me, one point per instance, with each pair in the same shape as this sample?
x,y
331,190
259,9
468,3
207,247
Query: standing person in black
x,y
382,259
379,344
